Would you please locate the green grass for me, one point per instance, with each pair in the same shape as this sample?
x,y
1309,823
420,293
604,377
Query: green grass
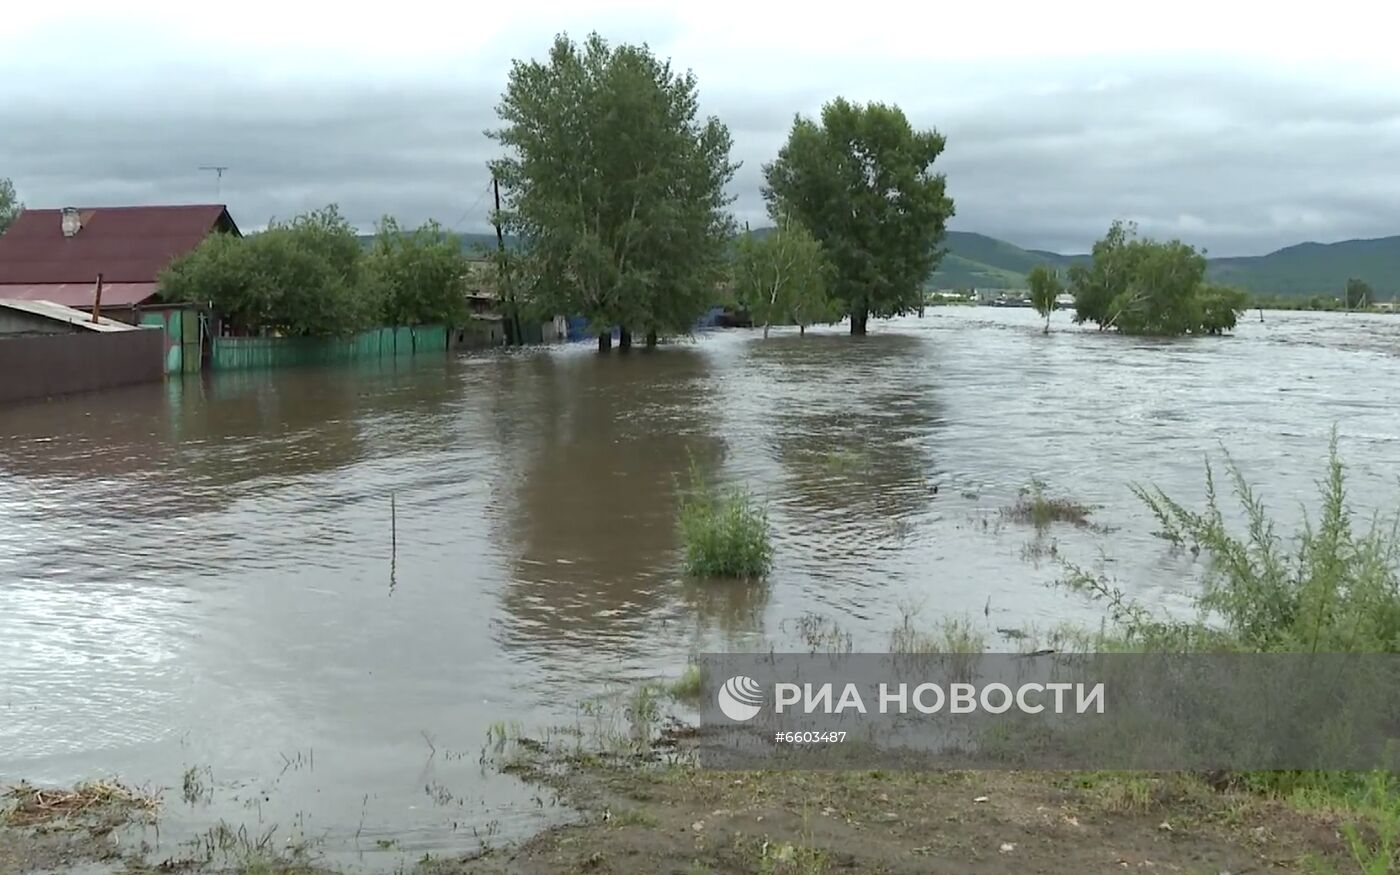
x,y
950,635
634,817
688,686
725,532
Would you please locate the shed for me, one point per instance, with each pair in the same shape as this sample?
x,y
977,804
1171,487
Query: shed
x,y
46,317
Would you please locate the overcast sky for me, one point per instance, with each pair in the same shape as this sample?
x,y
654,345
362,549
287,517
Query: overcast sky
x,y
1239,127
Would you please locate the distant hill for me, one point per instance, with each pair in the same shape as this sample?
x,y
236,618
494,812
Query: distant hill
x,y
982,262
1314,268
979,261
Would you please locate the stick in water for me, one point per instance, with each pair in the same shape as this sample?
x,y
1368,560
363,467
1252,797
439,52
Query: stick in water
x,y
393,539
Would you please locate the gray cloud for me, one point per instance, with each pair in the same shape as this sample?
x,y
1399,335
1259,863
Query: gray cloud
x,y
1239,161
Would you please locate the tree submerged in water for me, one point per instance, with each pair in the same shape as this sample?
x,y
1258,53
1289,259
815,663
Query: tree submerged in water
x,y
1045,288
616,186
1358,294
1141,286
781,278
861,180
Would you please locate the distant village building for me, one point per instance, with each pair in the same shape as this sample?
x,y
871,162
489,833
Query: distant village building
x,y
58,255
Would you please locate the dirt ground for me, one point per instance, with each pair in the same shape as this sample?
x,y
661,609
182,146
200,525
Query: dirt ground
x,y
651,818
685,821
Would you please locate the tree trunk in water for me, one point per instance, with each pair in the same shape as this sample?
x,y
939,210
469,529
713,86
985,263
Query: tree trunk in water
x,y
624,340
1047,324
651,339
858,319
765,331
802,331
604,341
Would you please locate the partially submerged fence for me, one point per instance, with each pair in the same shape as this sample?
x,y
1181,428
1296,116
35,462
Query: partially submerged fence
x,y
232,353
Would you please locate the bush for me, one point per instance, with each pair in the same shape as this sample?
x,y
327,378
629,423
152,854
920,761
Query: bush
x,y
311,277
1337,590
725,533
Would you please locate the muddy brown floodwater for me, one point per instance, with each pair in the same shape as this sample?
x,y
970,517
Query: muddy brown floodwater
x,y
198,575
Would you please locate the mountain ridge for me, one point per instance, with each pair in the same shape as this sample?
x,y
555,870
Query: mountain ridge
x,y
1301,270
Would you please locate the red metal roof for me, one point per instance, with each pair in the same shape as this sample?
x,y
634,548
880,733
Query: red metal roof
x,y
80,294
124,244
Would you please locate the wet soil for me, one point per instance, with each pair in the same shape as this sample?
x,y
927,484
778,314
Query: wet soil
x,y
678,819
654,818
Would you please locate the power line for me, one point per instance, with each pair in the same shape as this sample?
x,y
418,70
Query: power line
x,y
471,209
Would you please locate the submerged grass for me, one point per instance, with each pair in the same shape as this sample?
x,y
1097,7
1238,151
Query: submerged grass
x,y
35,805
689,685
1040,510
950,635
725,532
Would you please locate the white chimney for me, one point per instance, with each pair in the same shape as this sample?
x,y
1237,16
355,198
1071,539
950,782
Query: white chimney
x,y
72,223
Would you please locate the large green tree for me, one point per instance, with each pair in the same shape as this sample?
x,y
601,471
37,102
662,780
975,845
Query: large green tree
x,y
616,186
781,277
1045,286
861,179
9,204
417,277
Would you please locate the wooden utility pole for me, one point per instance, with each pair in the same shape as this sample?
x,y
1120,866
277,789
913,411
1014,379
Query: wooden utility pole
x,y
97,299
507,294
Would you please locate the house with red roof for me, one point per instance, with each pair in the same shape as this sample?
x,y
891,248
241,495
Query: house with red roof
x,y
59,255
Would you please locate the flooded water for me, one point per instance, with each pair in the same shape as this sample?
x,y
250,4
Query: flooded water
x,y
200,575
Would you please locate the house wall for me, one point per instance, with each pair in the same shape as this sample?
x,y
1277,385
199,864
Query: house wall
x,y
40,366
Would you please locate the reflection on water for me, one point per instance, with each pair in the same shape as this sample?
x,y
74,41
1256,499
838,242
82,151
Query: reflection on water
x,y
197,573
591,514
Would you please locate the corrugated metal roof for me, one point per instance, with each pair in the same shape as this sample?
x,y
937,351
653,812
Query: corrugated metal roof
x,y
80,294
60,313
124,244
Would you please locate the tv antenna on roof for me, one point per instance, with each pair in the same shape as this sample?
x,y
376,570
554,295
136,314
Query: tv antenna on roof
x,y
218,178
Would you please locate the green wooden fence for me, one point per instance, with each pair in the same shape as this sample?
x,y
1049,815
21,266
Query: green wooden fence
x,y
232,353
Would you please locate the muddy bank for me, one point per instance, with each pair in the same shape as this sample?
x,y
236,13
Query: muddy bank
x,y
653,817
677,818
74,829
